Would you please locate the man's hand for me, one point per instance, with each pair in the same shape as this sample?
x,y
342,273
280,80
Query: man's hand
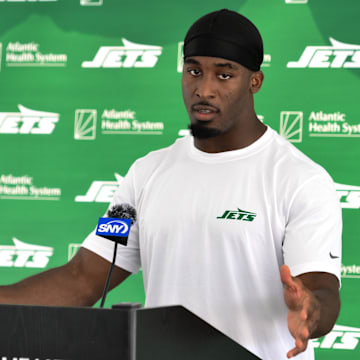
x,y
304,310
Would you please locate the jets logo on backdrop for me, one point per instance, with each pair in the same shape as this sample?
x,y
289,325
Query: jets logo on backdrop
x,y
338,55
130,55
28,122
349,196
25,255
340,338
101,191
238,215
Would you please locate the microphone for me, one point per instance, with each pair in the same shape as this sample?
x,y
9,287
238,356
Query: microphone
x,y
115,227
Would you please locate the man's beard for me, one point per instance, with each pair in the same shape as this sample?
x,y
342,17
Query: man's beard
x,y
200,131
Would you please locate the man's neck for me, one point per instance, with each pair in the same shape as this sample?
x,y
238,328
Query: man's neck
x,y
243,136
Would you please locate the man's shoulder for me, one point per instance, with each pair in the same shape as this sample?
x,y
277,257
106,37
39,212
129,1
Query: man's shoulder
x,y
293,166
159,159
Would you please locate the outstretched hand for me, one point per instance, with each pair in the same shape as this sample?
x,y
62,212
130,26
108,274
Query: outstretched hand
x,y
304,310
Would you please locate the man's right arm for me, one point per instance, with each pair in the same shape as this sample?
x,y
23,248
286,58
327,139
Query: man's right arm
x,y
80,282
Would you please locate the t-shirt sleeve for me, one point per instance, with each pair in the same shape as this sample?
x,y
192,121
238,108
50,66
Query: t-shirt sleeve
x,y
313,231
128,257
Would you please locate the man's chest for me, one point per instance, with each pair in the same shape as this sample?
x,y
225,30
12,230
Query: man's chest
x,y
227,204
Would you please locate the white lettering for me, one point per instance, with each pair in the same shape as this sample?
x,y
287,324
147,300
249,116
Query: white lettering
x,y
40,259
114,228
320,59
149,59
113,59
128,56
131,57
28,122
113,114
6,258
324,128
320,56
340,58
101,191
349,341
304,59
321,116
103,227
349,129
24,255
14,180
355,63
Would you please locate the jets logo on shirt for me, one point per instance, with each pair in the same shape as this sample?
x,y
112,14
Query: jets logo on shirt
x,y
238,215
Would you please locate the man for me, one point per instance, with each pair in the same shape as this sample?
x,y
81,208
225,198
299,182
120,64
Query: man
x,y
220,213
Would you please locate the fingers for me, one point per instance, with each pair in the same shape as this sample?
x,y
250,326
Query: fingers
x,y
300,346
286,277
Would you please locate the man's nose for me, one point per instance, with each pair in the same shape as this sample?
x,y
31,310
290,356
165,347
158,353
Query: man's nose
x,y
205,88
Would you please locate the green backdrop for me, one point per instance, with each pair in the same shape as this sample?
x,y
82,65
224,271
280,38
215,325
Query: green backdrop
x,y
89,86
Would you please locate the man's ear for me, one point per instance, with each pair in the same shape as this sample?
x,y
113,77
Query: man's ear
x,y
256,81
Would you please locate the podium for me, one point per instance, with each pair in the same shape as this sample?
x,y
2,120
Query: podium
x,y
126,332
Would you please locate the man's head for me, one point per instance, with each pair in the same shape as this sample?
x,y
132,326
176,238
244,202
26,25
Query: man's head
x,y
223,52
228,35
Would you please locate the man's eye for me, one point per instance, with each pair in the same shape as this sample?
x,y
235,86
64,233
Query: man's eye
x,y
224,76
194,72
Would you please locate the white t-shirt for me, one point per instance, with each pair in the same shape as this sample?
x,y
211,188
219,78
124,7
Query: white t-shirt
x,y
214,229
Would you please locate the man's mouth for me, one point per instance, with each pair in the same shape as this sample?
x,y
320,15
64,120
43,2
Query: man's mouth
x,y
204,112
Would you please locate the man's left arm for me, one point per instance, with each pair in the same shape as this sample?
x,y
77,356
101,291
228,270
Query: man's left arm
x,y
313,303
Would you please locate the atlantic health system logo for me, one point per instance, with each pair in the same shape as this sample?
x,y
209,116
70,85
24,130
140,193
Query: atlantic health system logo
x,y
28,121
131,55
319,124
338,55
85,124
29,54
113,122
23,188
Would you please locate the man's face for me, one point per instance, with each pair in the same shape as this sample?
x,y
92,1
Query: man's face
x,y
217,94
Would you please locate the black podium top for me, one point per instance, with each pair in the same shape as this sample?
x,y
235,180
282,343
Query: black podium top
x,y
124,333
